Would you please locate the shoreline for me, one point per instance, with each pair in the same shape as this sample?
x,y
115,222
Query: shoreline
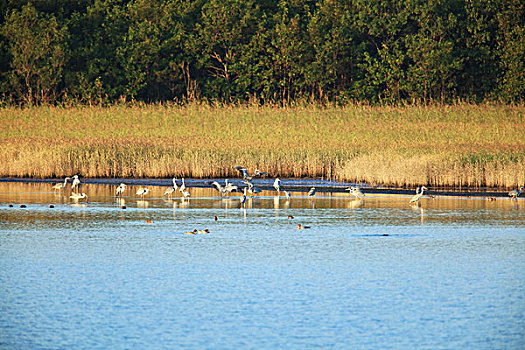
x,y
292,185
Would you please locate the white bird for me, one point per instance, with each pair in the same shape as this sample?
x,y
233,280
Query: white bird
x,y
418,195
287,194
277,185
311,193
356,191
515,193
60,185
120,189
251,188
142,191
183,186
169,191
218,187
229,187
75,182
184,192
78,196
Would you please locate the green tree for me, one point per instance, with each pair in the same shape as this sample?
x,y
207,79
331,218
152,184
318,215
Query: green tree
x,y
37,47
511,20
434,60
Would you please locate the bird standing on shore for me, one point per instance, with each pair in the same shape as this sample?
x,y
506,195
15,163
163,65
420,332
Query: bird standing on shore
x,y
60,185
514,194
418,195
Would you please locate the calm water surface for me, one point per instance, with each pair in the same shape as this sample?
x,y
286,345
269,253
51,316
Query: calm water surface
x,y
377,273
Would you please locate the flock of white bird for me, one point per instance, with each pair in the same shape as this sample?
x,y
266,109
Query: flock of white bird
x,y
74,187
229,188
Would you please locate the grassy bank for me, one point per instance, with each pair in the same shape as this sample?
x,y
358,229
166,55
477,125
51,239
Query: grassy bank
x,y
461,145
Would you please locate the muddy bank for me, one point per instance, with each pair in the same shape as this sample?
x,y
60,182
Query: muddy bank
x,y
292,185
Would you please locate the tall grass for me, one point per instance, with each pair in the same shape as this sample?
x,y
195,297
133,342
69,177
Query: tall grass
x,y
441,145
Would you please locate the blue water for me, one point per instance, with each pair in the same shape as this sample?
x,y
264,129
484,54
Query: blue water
x,y
448,275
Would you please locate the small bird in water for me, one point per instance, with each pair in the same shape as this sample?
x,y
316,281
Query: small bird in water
x,y
290,216
204,231
215,218
311,193
194,232
301,227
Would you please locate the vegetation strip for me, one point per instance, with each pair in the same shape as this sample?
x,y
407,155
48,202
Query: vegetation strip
x,y
457,146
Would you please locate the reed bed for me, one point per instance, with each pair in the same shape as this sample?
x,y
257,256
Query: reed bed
x,y
459,145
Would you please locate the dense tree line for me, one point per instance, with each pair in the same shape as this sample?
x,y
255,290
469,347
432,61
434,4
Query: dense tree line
x,y
96,51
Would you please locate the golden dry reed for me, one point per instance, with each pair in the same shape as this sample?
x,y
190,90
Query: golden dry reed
x,y
460,145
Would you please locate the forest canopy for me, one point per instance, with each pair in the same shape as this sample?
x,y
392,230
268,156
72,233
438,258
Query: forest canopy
x,y
94,51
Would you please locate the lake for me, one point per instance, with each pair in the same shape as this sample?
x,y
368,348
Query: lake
x,y
377,273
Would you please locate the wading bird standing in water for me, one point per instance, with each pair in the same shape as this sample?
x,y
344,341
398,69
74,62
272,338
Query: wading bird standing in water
x,y
75,183
418,195
277,185
311,193
183,186
60,185
142,191
356,191
516,193
169,191
120,190
243,197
